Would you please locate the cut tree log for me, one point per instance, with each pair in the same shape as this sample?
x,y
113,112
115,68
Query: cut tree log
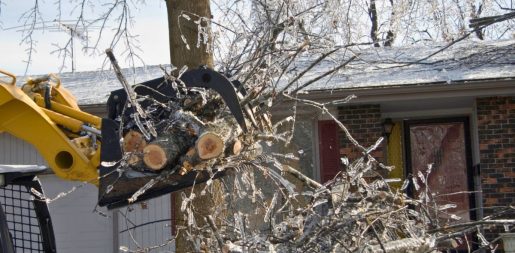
x,y
166,150
134,142
214,137
188,161
235,147
209,145
156,156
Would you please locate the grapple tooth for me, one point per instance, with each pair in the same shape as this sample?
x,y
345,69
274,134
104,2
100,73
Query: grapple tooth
x,y
208,78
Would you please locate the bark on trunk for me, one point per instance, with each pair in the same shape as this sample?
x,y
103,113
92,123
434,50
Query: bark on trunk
x,y
193,57
372,13
390,35
180,55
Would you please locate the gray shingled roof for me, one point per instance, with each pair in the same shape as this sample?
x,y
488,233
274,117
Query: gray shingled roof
x,y
374,68
383,67
94,87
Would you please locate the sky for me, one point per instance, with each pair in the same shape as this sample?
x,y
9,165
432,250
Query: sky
x,y
150,25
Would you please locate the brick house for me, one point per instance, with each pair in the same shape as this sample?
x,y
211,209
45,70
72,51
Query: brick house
x,y
455,110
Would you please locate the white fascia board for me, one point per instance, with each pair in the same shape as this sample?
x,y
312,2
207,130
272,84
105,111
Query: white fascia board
x,y
419,91
465,111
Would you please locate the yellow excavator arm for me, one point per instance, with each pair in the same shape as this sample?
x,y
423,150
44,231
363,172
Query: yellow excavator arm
x,y
45,114
42,112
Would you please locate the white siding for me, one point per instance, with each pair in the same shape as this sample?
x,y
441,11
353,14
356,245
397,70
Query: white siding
x,y
151,225
17,151
77,228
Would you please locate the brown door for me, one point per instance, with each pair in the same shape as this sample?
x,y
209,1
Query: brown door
x,y
444,144
329,149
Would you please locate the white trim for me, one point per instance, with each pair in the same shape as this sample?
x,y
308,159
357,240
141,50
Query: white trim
x,y
400,93
476,159
316,151
474,138
402,115
116,230
380,95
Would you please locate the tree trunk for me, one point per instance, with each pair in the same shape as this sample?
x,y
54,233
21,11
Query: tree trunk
x,y
372,13
475,14
180,55
181,29
390,35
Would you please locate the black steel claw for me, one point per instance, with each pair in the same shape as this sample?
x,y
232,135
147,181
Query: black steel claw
x,y
161,90
207,78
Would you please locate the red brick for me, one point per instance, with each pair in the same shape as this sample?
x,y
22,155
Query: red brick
x,y
496,134
489,180
510,174
345,151
490,201
365,124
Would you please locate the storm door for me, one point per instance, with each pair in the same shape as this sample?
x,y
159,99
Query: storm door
x,y
443,145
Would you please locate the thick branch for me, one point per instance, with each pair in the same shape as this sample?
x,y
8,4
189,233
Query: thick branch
x,y
372,13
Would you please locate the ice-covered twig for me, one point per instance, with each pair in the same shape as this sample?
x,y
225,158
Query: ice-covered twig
x,y
211,222
131,97
325,110
302,177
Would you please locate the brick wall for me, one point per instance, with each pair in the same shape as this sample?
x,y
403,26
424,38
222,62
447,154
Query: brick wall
x,y
496,132
365,124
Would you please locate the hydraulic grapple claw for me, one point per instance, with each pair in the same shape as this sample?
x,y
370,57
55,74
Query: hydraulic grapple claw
x,y
116,185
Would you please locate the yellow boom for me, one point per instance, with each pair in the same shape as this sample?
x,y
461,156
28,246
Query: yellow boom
x,y
46,115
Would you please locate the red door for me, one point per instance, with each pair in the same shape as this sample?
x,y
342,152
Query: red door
x,y
329,149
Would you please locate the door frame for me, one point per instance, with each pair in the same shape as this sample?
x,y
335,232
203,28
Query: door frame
x,y
468,154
